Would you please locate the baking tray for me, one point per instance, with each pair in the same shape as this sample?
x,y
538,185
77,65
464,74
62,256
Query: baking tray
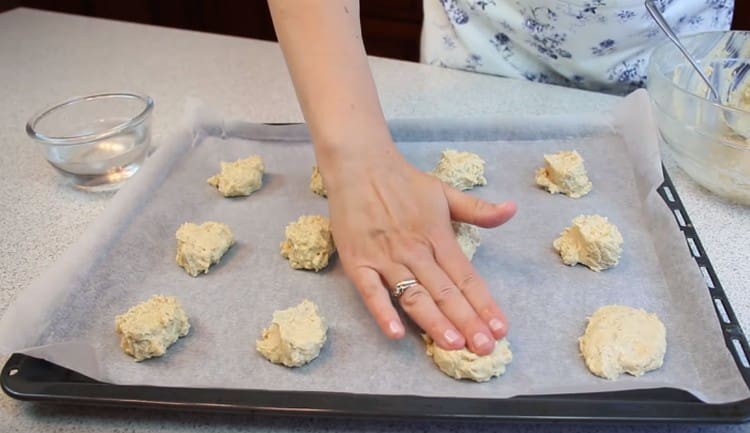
x,y
64,317
28,378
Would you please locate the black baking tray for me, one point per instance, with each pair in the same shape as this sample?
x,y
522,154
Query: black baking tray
x,y
27,378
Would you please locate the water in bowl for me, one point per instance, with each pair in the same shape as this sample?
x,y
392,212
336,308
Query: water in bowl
x,y
104,164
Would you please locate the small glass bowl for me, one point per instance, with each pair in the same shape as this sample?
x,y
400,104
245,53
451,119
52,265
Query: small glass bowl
x,y
98,141
709,140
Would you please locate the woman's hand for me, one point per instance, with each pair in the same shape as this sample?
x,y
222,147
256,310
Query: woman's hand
x,y
392,222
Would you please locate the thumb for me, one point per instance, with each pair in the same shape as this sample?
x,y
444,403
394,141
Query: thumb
x,y
472,210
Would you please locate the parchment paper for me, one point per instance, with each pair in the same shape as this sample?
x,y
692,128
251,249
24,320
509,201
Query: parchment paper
x,y
128,256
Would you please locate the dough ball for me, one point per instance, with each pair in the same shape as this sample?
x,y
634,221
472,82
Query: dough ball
x,y
316,183
308,243
238,178
592,241
467,236
200,246
149,328
620,339
462,170
463,364
295,335
564,172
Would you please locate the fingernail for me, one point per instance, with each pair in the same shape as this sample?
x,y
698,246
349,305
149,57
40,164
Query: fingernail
x,y
507,204
496,325
480,339
395,327
451,336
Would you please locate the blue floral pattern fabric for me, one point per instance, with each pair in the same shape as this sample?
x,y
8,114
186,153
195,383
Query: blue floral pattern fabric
x,y
600,45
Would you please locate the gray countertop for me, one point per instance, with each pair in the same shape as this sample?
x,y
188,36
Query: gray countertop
x,y
46,57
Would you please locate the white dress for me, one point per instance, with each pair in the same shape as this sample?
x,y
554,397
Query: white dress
x,y
598,45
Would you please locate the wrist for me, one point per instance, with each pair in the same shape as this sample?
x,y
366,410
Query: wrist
x,y
346,168
348,155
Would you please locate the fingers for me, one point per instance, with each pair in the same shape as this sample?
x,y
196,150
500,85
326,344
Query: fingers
x,y
378,301
451,303
460,270
442,303
419,304
469,209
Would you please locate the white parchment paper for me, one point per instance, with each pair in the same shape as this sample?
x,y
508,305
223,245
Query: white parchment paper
x,y
67,316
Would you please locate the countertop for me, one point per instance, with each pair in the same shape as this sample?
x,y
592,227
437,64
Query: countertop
x,y
46,57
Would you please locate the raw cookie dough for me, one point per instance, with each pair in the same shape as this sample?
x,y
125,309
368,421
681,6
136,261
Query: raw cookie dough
x,y
621,339
592,241
564,172
200,246
309,243
241,177
462,170
463,364
149,328
316,183
467,236
295,335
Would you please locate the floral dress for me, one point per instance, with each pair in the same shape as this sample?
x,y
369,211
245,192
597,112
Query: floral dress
x,y
600,45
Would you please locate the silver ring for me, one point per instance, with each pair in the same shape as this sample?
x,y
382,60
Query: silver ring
x,y
401,287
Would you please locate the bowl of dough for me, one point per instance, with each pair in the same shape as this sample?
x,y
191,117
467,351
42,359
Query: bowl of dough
x,y
710,141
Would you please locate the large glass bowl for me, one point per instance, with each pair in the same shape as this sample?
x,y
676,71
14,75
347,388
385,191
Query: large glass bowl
x,y
709,140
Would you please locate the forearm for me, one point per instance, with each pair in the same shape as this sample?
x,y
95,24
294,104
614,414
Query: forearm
x,y
322,44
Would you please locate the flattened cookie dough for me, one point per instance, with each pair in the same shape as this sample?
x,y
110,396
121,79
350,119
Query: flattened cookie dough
x,y
239,178
309,243
316,183
463,364
467,236
563,172
295,335
592,240
149,328
620,339
462,170
200,246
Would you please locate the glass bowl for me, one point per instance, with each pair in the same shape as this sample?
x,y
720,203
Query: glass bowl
x,y
98,141
709,140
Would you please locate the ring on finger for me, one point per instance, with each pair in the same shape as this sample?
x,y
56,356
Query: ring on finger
x,y
403,286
